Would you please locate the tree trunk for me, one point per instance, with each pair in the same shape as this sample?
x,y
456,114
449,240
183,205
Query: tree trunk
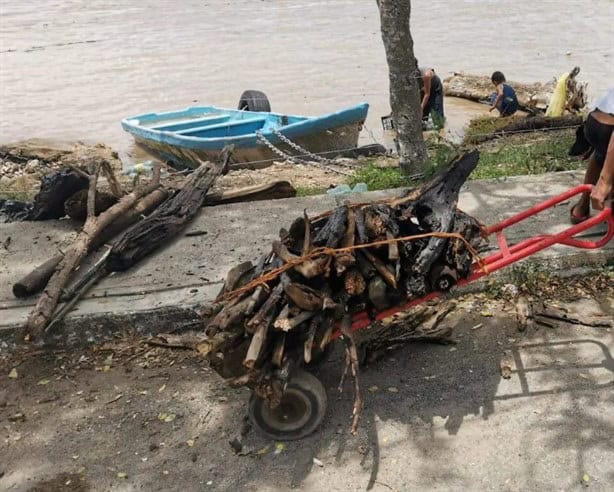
x,y
404,86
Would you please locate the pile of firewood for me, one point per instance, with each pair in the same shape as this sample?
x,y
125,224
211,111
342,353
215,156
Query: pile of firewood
x,y
278,314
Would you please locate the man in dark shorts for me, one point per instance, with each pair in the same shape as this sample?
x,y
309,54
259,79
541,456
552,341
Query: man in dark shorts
x,y
598,131
431,95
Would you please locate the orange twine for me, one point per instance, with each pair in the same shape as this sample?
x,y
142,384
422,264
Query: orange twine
x,y
273,274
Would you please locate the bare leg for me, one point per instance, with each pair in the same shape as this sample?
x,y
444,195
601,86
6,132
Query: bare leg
x,y
582,208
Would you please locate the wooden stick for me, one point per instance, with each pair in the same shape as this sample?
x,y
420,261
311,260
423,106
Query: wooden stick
x,y
393,248
381,268
262,313
352,361
286,323
116,188
278,351
311,333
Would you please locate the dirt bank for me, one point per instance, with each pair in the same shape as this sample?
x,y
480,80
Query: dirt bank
x,y
127,416
23,164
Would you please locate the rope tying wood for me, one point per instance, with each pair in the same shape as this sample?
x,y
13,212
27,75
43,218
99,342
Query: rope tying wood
x,y
273,274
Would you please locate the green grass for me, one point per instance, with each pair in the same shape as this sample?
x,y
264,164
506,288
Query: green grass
x,y
480,126
539,156
383,178
534,153
309,190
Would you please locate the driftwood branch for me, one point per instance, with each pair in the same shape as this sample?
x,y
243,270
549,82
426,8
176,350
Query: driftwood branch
x,y
36,280
42,312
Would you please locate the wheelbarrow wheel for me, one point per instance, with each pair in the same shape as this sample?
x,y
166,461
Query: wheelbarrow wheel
x,y
301,411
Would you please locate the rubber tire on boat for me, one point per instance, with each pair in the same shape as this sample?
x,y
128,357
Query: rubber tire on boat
x,y
302,409
254,101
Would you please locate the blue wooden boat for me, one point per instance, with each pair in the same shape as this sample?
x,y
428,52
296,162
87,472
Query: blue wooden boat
x,y
205,130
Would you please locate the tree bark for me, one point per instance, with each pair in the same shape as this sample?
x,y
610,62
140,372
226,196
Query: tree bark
x,y
404,86
166,221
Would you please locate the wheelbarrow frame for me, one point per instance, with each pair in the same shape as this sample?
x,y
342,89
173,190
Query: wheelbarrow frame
x,y
510,254
311,390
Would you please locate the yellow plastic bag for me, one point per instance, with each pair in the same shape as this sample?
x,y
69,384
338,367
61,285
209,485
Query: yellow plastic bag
x,y
559,97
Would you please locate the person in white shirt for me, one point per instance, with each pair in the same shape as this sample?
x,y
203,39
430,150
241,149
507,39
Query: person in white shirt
x,y
598,131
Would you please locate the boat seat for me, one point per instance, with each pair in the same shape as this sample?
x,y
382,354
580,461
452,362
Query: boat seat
x,y
221,126
189,124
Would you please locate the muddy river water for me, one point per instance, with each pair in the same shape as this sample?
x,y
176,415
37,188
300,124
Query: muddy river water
x,y
71,69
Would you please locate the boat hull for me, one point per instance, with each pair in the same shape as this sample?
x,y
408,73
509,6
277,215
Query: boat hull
x,y
326,143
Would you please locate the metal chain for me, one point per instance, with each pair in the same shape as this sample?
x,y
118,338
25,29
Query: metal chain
x,y
320,161
300,149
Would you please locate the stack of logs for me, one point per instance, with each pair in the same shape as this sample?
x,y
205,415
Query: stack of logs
x,y
282,312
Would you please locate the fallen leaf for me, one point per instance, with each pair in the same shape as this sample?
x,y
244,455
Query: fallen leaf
x,y
279,447
453,349
162,388
506,371
190,443
166,417
486,314
586,479
13,373
316,461
81,470
106,368
373,389
392,389
164,472
122,475
478,326
263,450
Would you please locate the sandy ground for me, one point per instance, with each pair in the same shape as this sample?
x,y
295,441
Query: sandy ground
x,y
129,416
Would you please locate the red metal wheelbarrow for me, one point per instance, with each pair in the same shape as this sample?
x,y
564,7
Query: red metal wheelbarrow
x,y
304,402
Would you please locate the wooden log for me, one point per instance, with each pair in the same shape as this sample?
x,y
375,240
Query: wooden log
x,y
286,323
167,220
361,227
265,310
42,312
36,280
303,296
354,283
346,259
436,206
266,191
308,268
262,323
381,268
333,232
278,351
531,97
234,276
421,323
314,324
531,123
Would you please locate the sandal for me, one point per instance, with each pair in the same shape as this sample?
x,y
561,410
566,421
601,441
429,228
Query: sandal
x,y
575,219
